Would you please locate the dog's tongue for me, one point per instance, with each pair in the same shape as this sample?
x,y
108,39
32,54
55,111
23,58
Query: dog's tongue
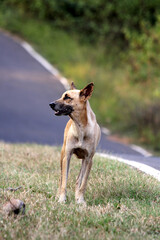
x,y
57,113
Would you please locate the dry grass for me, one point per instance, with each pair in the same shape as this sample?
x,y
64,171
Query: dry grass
x,y
122,203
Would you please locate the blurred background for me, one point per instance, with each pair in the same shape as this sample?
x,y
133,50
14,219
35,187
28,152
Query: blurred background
x,y
115,44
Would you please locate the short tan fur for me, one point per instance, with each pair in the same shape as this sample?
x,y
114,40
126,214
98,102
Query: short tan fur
x,y
81,137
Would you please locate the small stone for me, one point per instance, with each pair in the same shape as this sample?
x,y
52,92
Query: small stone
x,y
14,206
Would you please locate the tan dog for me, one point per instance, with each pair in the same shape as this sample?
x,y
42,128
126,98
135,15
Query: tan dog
x,y
81,137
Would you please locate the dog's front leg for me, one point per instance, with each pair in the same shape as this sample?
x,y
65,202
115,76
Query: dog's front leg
x,y
82,180
65,162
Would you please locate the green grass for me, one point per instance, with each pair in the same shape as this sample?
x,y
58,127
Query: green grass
x,y
122,203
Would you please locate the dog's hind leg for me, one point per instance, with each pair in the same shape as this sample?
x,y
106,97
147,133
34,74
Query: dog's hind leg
x,y
82,180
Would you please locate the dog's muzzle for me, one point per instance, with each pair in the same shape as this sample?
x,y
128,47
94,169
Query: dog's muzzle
x,y
52,105
61,109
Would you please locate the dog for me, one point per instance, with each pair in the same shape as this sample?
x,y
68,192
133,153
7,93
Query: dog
x,y
81,137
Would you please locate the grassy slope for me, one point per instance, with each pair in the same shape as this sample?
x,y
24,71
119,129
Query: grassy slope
x,y
122,203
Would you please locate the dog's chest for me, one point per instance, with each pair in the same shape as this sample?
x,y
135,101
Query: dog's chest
x,y
80,136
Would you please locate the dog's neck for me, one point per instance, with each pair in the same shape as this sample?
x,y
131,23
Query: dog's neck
x,y
81,117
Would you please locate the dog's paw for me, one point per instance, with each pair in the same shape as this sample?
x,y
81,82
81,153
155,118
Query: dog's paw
x,y
62,199
81,201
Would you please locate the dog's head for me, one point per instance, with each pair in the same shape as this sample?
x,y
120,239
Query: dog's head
x,y
72,100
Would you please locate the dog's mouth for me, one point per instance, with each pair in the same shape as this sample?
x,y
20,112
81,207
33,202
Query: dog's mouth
x,y
61,109
58,113
65,112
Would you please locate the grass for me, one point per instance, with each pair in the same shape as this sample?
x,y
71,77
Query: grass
x,y
122,203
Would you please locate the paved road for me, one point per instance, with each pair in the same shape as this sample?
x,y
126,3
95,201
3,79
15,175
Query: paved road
x,y
26,89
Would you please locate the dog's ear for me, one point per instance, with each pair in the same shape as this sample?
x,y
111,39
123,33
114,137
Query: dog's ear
x,y
72,86
86,92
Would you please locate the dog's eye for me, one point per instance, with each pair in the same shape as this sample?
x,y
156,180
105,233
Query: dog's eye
x,y
67,97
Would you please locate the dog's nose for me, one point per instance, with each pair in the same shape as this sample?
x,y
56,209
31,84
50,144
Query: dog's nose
x,y
52,105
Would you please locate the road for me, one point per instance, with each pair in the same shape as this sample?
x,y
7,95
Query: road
x,y
26,89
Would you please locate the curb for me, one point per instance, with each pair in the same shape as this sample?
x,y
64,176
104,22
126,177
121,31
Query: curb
x,y
140,166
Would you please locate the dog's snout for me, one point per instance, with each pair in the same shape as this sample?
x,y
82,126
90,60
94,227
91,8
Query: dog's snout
x,y
60,108
52,105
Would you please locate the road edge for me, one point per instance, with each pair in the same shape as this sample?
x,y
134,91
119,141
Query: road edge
x,y
140,166
45,64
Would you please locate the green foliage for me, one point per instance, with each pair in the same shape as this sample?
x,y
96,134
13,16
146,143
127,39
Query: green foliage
x,y
95,19
143,63
142,54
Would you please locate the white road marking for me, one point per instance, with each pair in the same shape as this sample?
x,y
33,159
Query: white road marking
x,y
45,64
106,131
142,167
141,150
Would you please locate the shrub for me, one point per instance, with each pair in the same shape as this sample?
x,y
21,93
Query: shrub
x,y
142,55
95,19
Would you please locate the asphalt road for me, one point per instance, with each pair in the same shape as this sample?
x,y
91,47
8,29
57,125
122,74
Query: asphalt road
x,y
26,89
